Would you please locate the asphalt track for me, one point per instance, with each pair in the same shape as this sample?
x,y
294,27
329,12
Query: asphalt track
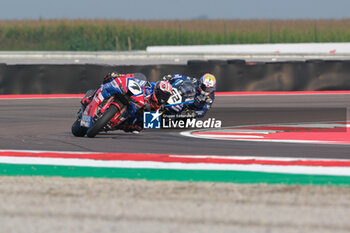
x,y
44,124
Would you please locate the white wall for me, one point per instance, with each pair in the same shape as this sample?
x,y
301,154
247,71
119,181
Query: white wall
x,y
296,48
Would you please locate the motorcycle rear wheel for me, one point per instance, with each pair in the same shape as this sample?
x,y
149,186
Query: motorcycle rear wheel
x,y
78,130
100,123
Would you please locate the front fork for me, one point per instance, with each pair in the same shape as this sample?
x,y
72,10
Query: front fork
x,y
117,119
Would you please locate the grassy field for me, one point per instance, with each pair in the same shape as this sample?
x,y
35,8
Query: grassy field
x,y
93,35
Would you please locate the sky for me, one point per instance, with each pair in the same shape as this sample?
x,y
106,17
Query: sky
x,y
174,9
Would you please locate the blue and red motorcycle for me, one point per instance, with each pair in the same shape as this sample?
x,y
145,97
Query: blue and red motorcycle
x,y
105,114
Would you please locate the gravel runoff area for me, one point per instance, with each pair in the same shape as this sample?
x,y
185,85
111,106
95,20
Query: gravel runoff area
x,y
43,204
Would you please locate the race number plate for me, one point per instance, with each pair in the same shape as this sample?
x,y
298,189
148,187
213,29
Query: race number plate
x,y
86,121
175,98
134,87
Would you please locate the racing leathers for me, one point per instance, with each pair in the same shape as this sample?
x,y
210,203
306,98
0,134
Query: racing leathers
x,y
202,102
132,118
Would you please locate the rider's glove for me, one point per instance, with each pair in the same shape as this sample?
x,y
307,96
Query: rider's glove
x,y
85,101
199,99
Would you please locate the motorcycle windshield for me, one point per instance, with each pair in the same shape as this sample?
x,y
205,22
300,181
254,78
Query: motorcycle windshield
x,y
187,89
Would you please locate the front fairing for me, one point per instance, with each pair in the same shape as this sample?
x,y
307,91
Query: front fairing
x,y
138,101
127,89
187,89
91,109
133,89
183,95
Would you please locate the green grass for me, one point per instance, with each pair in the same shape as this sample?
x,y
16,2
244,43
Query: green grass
x,y
94,35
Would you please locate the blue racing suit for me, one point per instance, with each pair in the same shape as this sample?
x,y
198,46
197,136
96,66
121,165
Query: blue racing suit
x,y
134,118
201,104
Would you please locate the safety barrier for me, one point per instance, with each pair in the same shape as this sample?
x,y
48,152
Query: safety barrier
x,y
232,75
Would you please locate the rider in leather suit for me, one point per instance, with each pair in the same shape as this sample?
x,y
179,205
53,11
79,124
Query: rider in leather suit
x,y
155,94
204,97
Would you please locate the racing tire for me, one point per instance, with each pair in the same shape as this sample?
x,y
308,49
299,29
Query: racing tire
x,y
78,130
100,123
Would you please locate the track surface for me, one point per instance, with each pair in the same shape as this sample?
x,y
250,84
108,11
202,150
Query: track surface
x,y
39,204
44,124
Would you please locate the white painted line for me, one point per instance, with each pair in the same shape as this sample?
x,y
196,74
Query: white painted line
x,y
241,138
238,130
311,170
285,141
50,151
259,158
317,125
227,136
188,134
184,156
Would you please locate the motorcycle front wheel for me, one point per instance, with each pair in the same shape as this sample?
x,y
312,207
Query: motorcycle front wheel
x,y
77,130
100,123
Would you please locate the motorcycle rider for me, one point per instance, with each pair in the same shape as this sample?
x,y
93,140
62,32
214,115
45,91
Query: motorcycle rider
x,y
141,78
205,93
155,95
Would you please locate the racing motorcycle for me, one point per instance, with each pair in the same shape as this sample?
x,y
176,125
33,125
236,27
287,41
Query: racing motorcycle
x,y
107,114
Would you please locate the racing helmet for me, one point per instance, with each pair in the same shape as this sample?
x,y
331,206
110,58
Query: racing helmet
x,y
207,84
161,92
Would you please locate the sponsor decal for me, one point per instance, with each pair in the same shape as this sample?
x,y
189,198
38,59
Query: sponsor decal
x,y
155,120
86,121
